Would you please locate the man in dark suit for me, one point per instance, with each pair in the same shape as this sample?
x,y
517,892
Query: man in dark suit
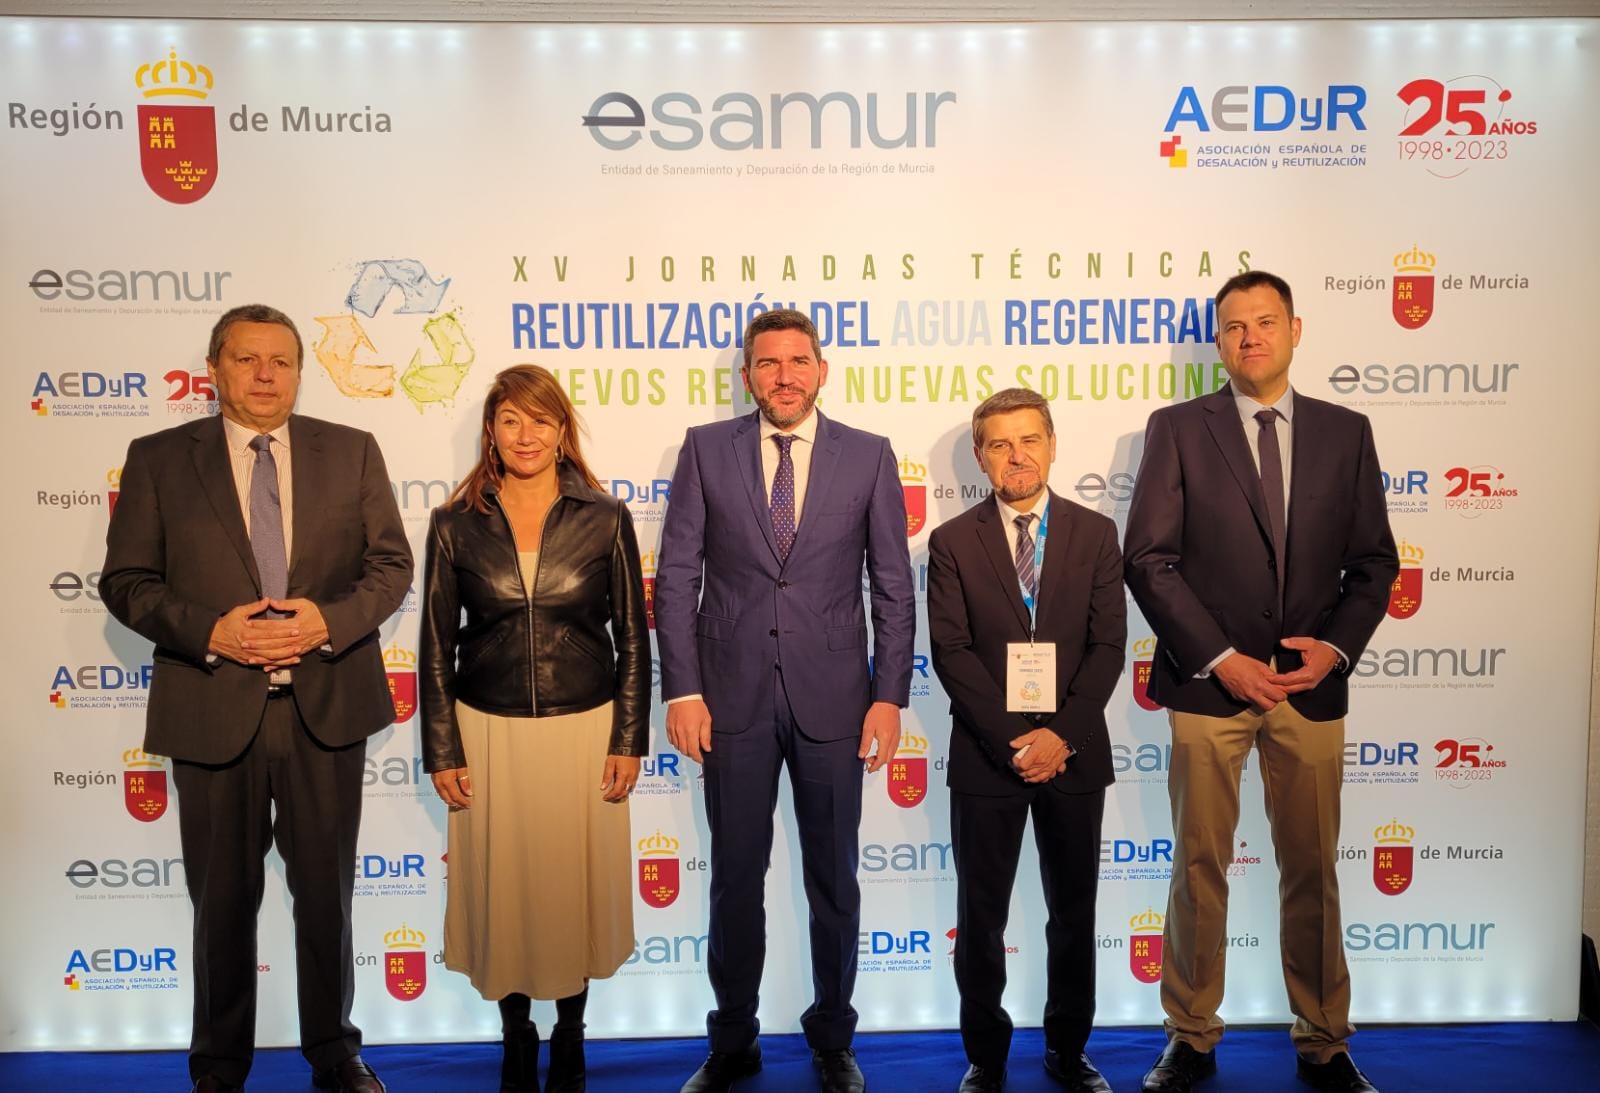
x,y
259,552
1258,547
1026,574
764,663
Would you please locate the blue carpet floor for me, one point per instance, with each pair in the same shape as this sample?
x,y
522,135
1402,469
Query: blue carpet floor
x,y
1526,1058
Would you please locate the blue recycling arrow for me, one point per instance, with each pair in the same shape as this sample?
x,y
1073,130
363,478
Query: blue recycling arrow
x,y
420,293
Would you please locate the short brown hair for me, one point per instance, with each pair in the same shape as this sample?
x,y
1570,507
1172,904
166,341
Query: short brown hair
x,y
1255,278
253,313
1004,402
781,318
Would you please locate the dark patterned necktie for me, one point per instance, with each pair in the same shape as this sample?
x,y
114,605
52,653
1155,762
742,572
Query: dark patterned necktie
x,y
1271,457
266,524
1027,576
783,497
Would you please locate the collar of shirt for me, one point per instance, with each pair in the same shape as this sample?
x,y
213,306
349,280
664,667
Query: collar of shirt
x,y
805,431
240,436
1249,407
1008,516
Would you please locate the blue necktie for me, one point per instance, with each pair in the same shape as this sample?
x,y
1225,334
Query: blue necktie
x,y
1027,576
783,497
266,524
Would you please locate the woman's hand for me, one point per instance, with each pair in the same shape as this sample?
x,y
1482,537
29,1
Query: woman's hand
x,y
617,781
454,787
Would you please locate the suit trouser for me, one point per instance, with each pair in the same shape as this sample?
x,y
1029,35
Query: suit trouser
x,y
986,833
1302,767
741,793
226,823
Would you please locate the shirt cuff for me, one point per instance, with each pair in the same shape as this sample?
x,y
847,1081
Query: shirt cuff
x,y
1205,673
1344,661
685,698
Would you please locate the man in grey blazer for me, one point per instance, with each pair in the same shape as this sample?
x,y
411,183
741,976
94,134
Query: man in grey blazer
x,y
260,551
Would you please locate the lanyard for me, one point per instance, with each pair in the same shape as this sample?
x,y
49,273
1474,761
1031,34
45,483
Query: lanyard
x,y
1028,600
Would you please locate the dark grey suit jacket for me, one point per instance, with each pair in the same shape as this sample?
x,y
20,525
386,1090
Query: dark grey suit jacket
x,y
178,557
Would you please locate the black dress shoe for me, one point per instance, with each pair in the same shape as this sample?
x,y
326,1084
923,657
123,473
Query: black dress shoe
x,y
212,1084
982,1079
1075,1072
837,1071
519,1060
350,1076
1179,1067
568,1073
722,1068
1337,1075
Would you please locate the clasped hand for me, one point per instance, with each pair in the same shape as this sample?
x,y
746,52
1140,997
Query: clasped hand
x,y
1046,755
1250,680
269,644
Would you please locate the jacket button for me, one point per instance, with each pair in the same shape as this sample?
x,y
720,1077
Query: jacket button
x,y
1272,563
783,584
772,633
1267,614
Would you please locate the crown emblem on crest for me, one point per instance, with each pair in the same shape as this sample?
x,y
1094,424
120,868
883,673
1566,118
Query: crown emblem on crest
x,y
404,938
647,562
174,77
912,744
1144,647
137,757
1410,555
1147,921
395,657
1414,260
911,470
658,844
1394,832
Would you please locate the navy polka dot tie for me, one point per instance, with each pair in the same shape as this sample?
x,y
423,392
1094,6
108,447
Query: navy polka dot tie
x,y
783,497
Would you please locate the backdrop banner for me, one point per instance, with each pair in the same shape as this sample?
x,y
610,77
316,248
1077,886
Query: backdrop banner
x,y
961,209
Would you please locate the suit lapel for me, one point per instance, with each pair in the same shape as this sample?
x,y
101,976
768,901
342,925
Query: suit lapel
x,y
213,464
747,456
992,538
1222,418
1307,461
305,456
819,479
1052,578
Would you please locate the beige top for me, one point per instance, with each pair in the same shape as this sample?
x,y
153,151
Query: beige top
x,y
528,562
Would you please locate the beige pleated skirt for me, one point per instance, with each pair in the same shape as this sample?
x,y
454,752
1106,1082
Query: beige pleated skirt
x,y
539,897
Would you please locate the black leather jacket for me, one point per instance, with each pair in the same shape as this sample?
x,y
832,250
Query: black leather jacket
x,y
551,654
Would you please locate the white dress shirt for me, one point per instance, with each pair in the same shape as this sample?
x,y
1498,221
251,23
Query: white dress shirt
x,y
243,460
1008,518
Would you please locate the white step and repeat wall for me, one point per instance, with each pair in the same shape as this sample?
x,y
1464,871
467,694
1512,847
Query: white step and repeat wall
x,y
962,209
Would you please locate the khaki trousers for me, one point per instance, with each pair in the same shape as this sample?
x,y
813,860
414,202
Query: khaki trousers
x,y
1302,767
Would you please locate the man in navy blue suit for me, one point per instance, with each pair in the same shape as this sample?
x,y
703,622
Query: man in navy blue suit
x,y
763,638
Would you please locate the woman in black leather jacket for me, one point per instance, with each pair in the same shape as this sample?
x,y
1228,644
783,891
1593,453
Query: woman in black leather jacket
x,y
535,698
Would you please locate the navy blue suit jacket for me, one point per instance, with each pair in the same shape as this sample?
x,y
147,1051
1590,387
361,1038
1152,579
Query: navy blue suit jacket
x,y
1199,555
727,610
